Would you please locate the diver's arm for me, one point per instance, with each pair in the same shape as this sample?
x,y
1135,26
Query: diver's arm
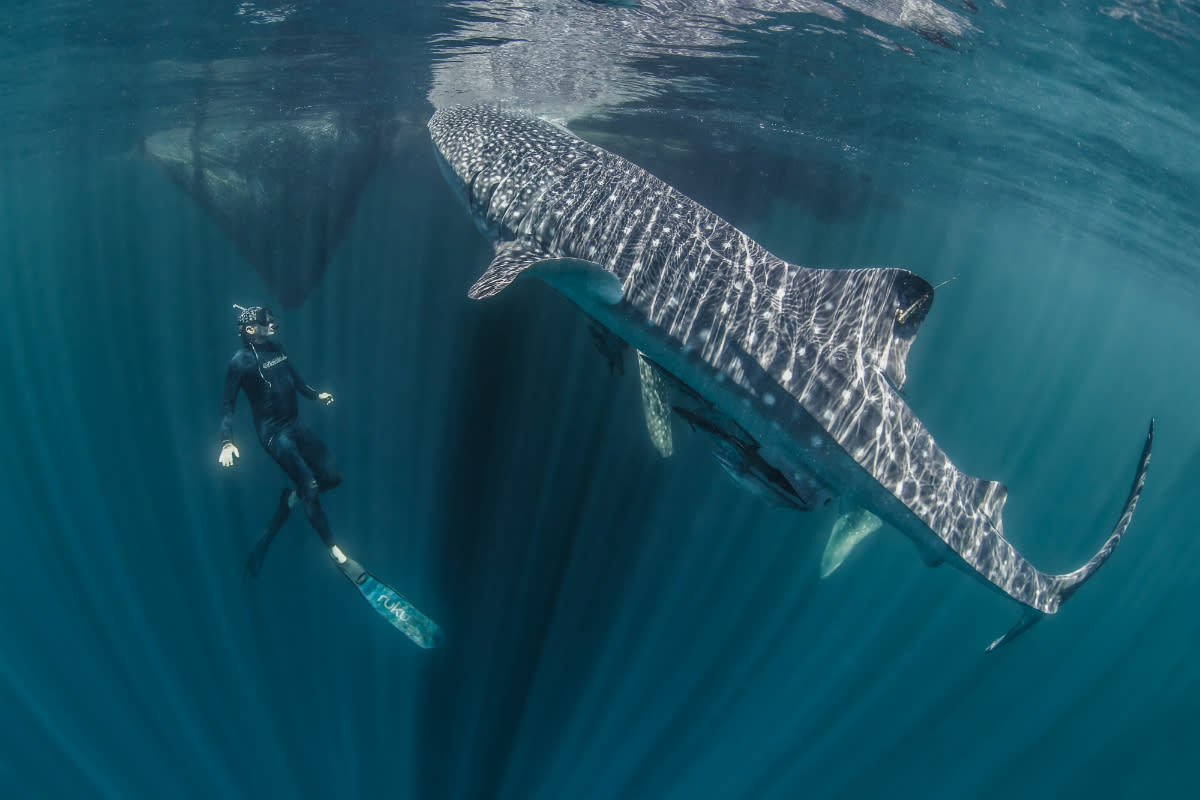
x,y
233,382
308,391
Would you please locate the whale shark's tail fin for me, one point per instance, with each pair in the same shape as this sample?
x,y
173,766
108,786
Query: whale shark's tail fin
x,y
1070,582
1066,585
1027,620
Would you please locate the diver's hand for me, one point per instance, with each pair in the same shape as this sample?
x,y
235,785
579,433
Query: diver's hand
x,y
229,452
326,398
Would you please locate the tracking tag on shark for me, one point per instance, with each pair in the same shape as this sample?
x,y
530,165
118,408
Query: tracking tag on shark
x,y
390,604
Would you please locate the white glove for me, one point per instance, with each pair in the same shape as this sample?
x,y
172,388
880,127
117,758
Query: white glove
x,y
229,452
326,398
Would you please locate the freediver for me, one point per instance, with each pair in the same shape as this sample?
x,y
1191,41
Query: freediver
x,y
261,369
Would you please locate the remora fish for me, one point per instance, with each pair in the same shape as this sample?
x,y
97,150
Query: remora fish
x,y
804,362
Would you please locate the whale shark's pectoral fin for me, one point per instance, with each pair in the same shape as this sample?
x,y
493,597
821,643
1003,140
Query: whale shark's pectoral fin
x,y
512,258
851,527
573,277
656,405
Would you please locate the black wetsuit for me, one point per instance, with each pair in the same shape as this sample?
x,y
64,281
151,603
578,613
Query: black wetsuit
x,y
271,384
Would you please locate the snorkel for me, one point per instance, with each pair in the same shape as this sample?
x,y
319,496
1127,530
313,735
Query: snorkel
x,y
257,316
262,320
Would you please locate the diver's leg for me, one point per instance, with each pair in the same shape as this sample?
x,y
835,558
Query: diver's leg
x,y
285,450
255,561
318,457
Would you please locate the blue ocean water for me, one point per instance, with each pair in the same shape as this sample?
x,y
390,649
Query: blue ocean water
x,y
617,625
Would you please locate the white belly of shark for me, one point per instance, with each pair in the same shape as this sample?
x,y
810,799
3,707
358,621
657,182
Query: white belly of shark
x,y
794,371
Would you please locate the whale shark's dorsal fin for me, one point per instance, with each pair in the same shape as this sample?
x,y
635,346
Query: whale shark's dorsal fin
x,y
862,316
913,296
857,318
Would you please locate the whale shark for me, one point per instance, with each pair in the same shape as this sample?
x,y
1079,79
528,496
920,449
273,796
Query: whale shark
x,y
283,190
795,372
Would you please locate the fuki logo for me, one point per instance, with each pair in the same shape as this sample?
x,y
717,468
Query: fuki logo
x,y
396,607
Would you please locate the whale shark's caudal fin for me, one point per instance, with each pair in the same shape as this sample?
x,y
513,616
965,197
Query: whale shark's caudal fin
x,y
1066,585
1069,583
1029,617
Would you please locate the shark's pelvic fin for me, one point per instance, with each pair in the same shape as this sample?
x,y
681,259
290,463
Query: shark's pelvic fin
x,y
656,405
851,528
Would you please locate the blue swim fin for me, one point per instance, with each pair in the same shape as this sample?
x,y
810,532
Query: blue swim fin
x,y
391,605
255,562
